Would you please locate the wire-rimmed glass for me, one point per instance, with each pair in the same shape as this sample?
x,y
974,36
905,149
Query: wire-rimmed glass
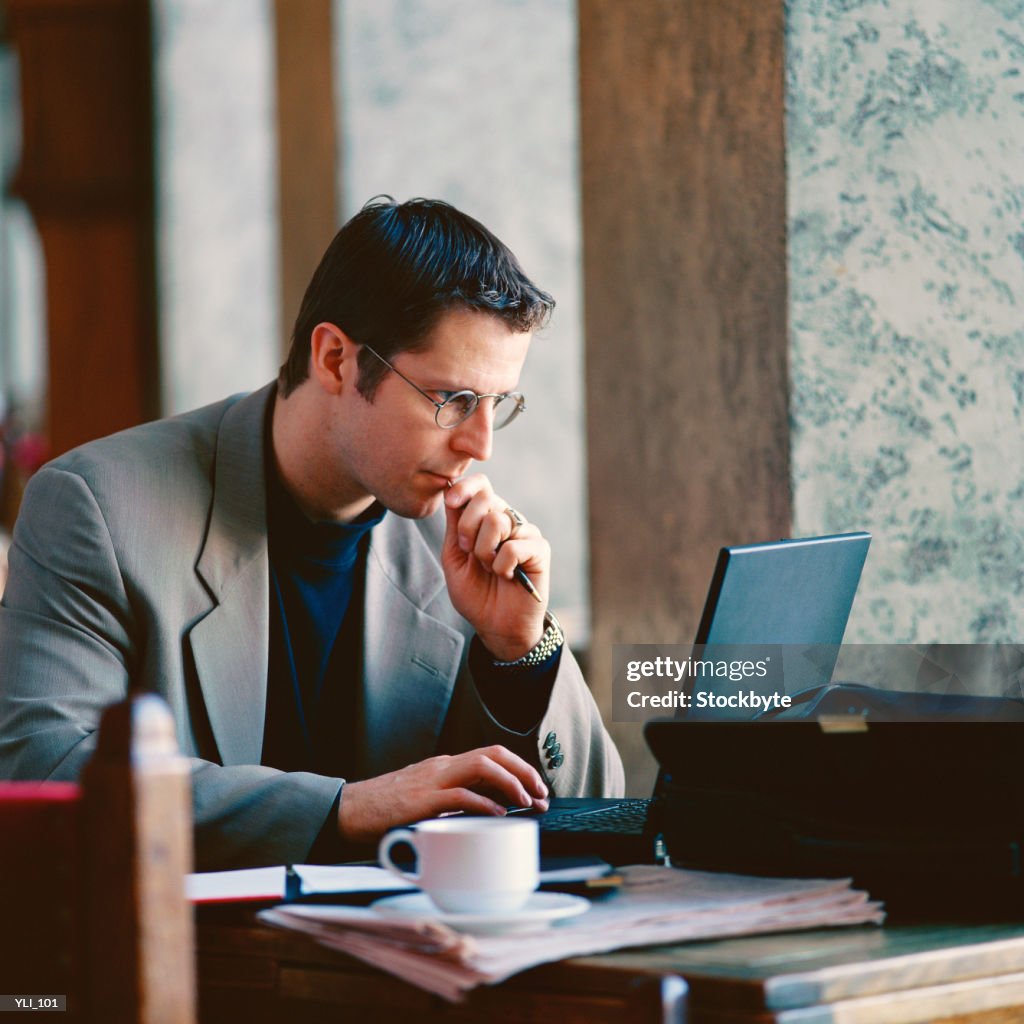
x,y
458,406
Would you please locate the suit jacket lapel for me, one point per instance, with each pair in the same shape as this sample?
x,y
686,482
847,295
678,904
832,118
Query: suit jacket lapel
x,y
230,644
410,658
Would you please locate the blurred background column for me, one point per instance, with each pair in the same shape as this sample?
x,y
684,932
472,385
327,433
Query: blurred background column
x,y
307,130
684,268
219,271
23,370
86,174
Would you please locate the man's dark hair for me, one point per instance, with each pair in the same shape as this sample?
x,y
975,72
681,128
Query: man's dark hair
x,y
394,269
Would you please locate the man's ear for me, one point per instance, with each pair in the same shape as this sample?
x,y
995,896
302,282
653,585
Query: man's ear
x,y
332,355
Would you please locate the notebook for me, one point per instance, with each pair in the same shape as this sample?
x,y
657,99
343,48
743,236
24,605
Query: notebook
x,y
792,592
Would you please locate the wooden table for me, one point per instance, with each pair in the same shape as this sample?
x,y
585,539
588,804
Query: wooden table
x,y
898,975
905,974
251,974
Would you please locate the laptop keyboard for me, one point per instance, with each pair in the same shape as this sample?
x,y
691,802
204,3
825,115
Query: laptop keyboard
x,y
628,817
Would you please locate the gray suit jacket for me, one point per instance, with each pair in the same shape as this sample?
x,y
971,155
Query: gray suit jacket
x,y
141,560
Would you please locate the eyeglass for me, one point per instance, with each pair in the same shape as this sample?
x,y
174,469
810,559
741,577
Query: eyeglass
x,y
458,406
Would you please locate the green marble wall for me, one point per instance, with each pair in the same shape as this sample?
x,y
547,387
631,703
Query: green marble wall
x,y
906,244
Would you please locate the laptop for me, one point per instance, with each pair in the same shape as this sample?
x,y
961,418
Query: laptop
x,y
792,592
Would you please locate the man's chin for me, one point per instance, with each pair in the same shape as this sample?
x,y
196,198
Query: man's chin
x,y
416,508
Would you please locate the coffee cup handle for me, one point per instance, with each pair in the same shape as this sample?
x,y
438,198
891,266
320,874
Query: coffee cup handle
x,y
399,835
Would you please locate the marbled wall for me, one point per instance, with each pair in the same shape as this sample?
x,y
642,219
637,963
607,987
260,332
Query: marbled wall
x,y
906,193
474,101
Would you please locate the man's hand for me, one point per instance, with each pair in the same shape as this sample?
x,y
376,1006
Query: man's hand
x,y
429,788
481,584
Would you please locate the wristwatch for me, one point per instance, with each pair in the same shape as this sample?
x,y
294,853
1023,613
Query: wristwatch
x,y
551,639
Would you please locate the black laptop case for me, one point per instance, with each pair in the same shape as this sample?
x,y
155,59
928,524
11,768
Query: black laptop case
x,y
926,815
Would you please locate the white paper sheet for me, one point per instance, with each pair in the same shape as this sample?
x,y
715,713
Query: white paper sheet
x,y
261,884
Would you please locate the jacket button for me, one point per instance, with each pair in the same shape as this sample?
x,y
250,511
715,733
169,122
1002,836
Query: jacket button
x,y
550,740
556,761
555,750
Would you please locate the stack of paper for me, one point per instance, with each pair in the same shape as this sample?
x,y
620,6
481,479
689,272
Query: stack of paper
x,y
655,905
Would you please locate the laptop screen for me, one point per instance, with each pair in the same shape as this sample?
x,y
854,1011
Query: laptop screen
x,y
793,596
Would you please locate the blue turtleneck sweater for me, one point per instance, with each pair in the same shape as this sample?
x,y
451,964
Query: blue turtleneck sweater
x,y
316,581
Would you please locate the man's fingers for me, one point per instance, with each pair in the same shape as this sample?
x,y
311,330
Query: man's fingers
x,y
473,498
444,783
494,534
465,488
477,523
479,769
465,800
493,530
474,515
513,763
530,553
451,532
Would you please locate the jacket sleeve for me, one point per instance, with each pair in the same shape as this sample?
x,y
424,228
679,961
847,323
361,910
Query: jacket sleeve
x,y
570,745
71,641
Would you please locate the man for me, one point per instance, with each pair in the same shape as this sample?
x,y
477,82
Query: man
x,y
311,576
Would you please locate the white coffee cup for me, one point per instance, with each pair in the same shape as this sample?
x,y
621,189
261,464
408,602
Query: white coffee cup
x,y
470,865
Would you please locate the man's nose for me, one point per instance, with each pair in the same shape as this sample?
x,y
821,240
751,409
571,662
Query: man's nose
x,y
475,435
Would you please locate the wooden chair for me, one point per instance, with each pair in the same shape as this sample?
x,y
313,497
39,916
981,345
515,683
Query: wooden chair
x,y
92,902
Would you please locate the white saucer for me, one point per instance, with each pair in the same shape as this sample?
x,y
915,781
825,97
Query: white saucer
x,y
540,910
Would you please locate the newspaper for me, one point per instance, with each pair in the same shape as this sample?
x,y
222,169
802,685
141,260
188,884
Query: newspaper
x,y
655,905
